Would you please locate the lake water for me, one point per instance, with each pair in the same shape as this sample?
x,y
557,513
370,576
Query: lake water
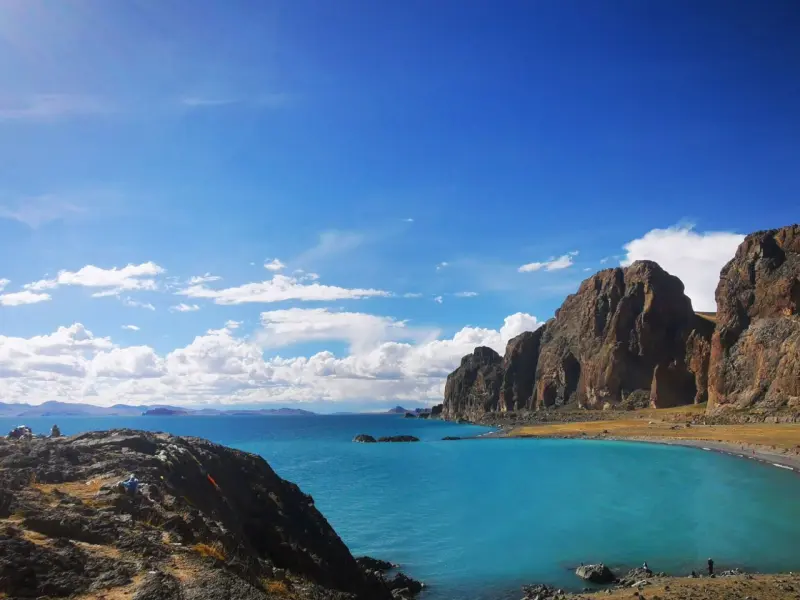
x,y
479,518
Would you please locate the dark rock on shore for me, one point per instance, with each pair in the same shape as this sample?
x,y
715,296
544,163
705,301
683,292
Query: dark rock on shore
x,y
374,564
636,575
204,522
398,438
598,573
755,355
541,591
364,438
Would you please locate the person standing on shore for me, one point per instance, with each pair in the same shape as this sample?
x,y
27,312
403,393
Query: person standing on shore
x,y
710,566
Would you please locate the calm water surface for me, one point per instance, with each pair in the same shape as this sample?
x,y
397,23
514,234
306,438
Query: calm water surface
x,y
475,519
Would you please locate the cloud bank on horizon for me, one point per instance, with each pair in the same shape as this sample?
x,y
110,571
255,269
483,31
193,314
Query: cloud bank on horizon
x,y
384,359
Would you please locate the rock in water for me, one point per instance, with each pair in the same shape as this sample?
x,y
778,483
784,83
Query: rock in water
x,y
755,354
364,438
398,438
595,573
237,529
374,564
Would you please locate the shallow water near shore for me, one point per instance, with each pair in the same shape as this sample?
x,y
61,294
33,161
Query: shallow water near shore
x,y
479,518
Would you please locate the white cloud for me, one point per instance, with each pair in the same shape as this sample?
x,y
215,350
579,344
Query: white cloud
x,y
280,288
465,294
360,330
48,107
274,265
695,257
111,281
207,278
221,367
438,299
587,269
412,295
554,264
604,260
442,265
408,220
24,297
131,327
4,283
182,307
131,303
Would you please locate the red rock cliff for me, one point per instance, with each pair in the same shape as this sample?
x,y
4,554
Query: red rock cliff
x,y
755,355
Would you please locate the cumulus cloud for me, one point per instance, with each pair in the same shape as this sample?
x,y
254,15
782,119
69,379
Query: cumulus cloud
x,y
438,299
131,327
24,297
412,295
465,294
695,257
4,283
222,366
183,307
360,330
274,265
278,289
111,281
554,264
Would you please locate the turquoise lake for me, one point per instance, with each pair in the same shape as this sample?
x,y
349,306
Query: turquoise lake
x,y
476,519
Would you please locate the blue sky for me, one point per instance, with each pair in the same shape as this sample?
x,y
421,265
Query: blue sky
x,y
366,144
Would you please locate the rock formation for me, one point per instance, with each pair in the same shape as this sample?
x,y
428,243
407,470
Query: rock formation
x,y
474,387
627,333
755,353
205,522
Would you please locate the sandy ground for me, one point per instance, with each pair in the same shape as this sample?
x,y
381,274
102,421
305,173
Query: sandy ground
x,y
740,587
777,444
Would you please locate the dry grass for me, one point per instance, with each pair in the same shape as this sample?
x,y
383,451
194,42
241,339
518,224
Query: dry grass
x,y
215,550
763,587
778,436
124,592
277,588
84,490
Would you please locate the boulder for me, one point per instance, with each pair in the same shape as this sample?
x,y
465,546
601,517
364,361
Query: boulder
x,y
363,438
398,438
755,351
403,582
374,564
598,573
635,575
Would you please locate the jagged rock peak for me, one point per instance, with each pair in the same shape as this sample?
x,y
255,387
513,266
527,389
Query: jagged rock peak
x,y
755,351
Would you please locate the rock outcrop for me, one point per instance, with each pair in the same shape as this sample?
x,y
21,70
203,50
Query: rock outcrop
x,y
474,387
755,353
595,573
627,333
204,522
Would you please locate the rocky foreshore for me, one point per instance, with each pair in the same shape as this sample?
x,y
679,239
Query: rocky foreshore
x,y
152,516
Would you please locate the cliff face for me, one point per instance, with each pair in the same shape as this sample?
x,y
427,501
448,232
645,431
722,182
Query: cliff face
x,y
627,333
755,354
206,522
474,387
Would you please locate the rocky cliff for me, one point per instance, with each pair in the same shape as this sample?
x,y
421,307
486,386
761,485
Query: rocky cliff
x,y
205,522
629,335
474,387
755,354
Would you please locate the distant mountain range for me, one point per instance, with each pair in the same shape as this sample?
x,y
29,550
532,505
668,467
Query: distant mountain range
x,y
54,408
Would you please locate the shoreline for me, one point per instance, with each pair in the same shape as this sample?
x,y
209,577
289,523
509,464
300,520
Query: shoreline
x,y
788,462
